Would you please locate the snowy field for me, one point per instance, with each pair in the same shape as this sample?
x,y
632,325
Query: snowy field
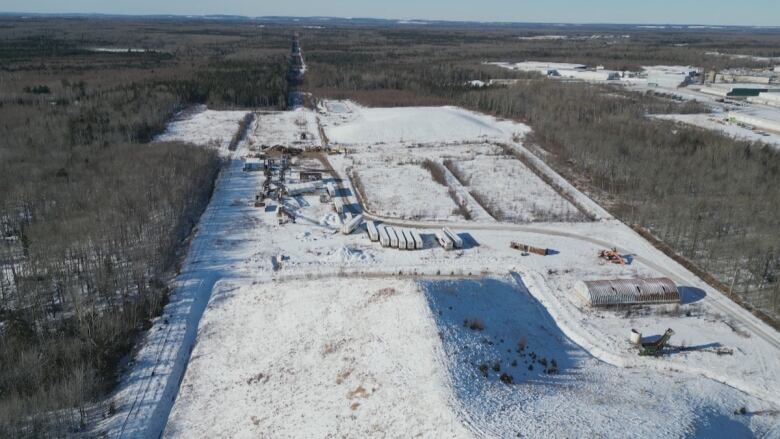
x,y
406,191
290,128
558,389
514,192
210,128
352,124
316,359
297,330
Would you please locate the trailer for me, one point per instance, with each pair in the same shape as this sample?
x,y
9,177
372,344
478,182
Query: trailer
x,y
409,239
373,234
529,248
352,224
331,189
302,188
338,204
444,240
384,237
401,239
418,242
393,237
457,242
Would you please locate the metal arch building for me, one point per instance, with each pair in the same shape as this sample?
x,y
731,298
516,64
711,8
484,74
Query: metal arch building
x,y
628,291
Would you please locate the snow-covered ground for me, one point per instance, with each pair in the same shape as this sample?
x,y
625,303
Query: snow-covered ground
x,y
204,127
406,191
353,124
289,128
513,190
558,389
339,336
316,359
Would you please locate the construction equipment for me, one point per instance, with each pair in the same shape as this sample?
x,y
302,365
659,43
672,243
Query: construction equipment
x,y
613,256
655,348
529,249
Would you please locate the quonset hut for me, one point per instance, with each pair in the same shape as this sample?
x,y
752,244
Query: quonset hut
x,y
628,291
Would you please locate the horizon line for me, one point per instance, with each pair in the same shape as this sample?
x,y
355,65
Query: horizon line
x,y
420,21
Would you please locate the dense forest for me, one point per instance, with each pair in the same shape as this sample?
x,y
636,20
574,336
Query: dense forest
x,y
93,217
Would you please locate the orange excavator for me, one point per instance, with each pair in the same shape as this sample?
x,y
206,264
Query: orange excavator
x,y
613,256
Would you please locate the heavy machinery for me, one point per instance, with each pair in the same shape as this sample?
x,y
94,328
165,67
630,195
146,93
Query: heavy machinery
x,y
655,348
612,255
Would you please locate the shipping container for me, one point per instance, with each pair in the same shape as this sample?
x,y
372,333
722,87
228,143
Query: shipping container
x,y
373,234
401,239
384,237
418,241
393,237
410,245
338,203
457,242
352,224
444,240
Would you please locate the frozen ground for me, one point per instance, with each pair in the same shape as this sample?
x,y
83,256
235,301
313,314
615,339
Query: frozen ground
x,y
406,191
559,389
270,361
352,124
514,192
316,359
290,128
204,127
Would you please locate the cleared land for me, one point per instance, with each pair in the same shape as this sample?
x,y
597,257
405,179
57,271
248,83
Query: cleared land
x,y
316,359
330,340
510,191
406,191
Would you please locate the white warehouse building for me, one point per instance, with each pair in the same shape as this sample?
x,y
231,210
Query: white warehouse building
x,y
766,98
670,76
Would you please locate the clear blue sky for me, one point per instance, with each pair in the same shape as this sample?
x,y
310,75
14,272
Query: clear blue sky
x,y
744,12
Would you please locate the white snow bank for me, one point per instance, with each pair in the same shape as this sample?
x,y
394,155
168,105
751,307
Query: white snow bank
x,y
205,128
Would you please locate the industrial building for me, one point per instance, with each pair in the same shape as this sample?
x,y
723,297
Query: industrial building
x,y
747,76
671,76
587,75
766,98
738,90
613,292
